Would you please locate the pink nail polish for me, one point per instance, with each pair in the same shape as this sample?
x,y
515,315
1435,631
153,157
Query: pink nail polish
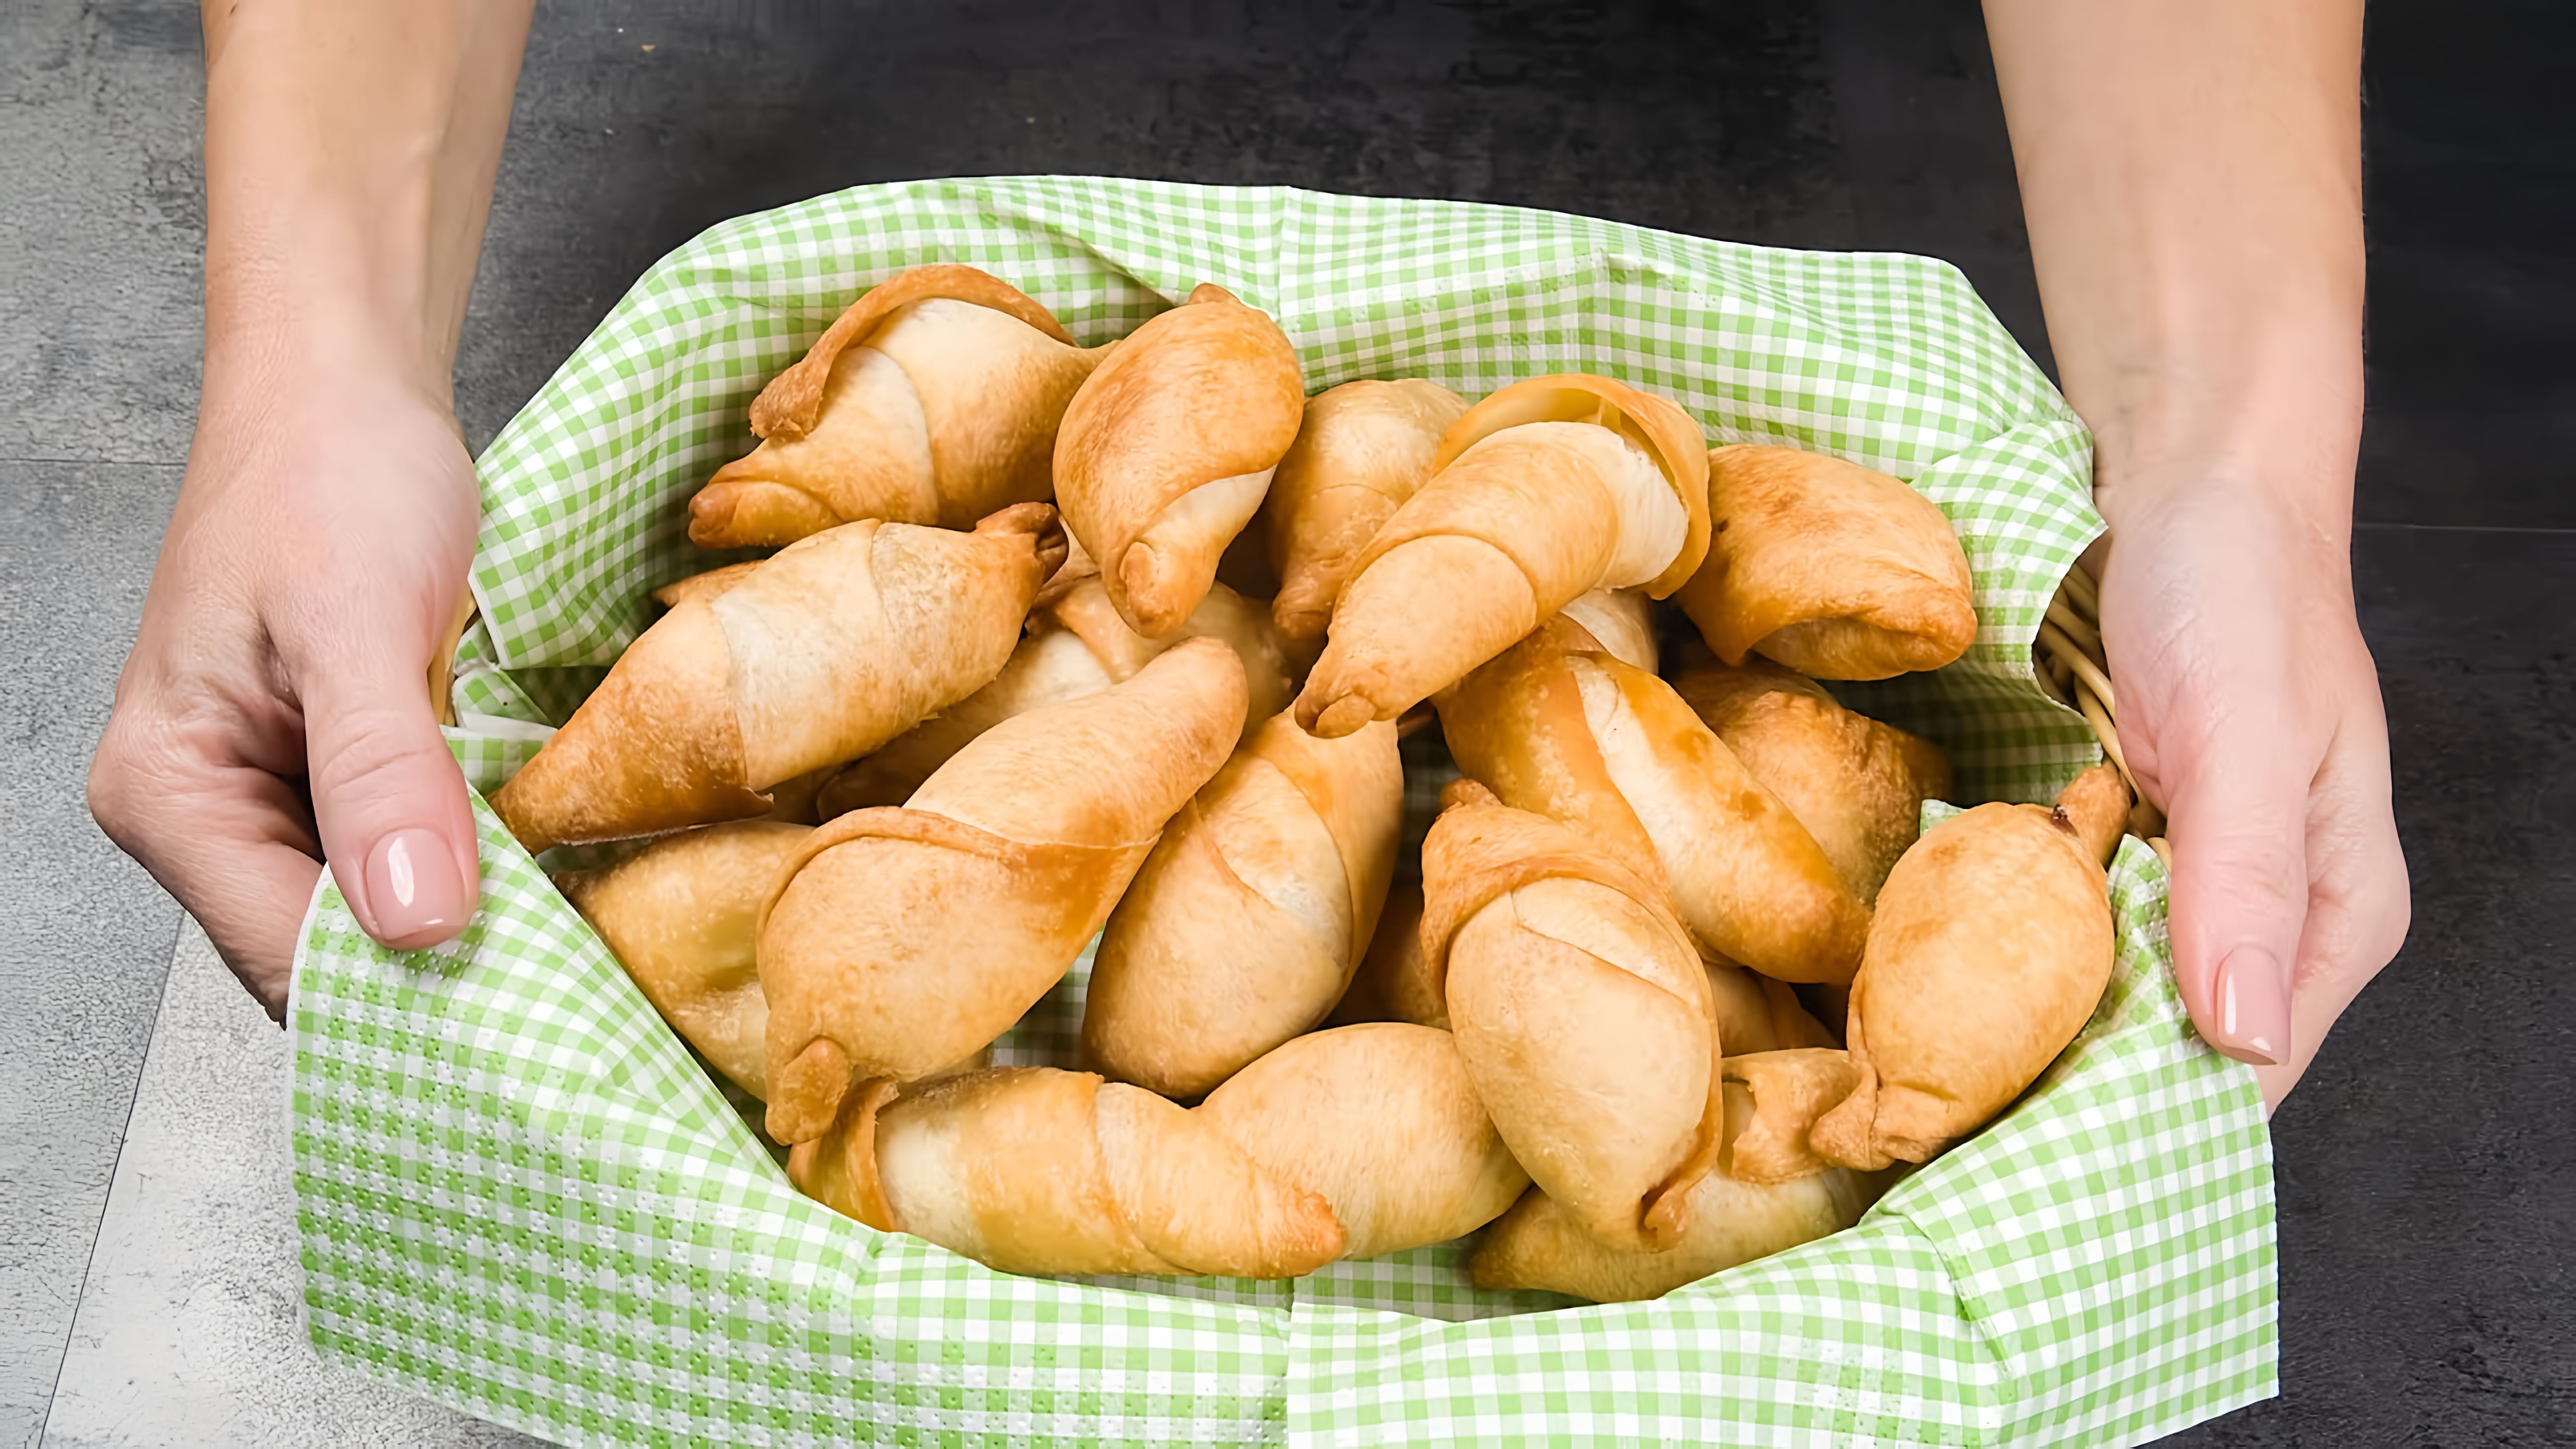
x,y
2251,997
413,890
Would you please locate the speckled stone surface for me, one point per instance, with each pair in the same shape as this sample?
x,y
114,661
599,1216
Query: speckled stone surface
x,y
100,226
2427,1181
190,1328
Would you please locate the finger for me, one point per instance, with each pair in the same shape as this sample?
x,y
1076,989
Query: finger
x,y
2236,805
229,840
2359,899
388,798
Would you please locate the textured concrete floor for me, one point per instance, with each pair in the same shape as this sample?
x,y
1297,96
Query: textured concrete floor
x,y
2427,1189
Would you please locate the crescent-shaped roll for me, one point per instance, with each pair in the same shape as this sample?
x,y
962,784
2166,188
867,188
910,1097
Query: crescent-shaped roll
x,y
1581,1011
1244,925
1836,570
1394,980
902,939
1577,735
1758,1014
680,916
1538,1244
1076,645
1167,451
822,653
1620,623
1545,491
933,399
1035,1170
1364,449
1856,784
1381,1122
1989,951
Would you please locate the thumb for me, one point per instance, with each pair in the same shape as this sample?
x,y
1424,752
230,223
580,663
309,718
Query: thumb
x,y
388,799
2237,821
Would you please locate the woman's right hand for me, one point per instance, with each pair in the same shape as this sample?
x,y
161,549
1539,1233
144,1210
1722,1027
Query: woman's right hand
x,y
275,711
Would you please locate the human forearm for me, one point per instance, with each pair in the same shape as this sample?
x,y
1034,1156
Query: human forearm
x,y
2191,171
350,150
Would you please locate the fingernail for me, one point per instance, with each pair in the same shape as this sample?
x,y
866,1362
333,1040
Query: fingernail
x,y
2252,1001
413,890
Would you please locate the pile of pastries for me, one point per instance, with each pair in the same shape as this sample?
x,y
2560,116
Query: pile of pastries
x,y
1670,983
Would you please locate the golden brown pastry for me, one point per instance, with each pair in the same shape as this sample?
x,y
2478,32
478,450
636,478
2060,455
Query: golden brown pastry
x,y
1990,949
1394,980
1836,570
1581,1011
679,915
1758,1014
705,585
1789,1089
1243,927
1856,784
903,938
1577,735
1076,645
1168,448
1034,1170
1620,623
1546,490
1381,1122
819,655
933,399
1365,448
1538,1244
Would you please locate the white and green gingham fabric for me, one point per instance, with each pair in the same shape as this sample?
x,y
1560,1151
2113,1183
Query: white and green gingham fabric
x,y
520,1194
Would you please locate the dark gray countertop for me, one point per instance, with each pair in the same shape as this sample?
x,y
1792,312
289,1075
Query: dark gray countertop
x,y
2428,1201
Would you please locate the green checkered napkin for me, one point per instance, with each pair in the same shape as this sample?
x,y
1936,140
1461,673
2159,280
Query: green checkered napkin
x,y
519,1193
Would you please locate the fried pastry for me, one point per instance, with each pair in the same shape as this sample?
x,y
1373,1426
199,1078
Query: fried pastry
x,y
932,399
1581,1011
1167,451
818,655
1541,493
1364,448
1990,950
902,939
1035,1170
1836,570
1577,735
1382,1123
1244,925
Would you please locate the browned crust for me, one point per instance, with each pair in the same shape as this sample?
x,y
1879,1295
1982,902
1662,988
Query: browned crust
x,y
2095,807
708,585
1790,1089
1822,543
1667,1205
1516,725
846,1180
663,715
788,408
1660,427
926,827
1481,849
1130,446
